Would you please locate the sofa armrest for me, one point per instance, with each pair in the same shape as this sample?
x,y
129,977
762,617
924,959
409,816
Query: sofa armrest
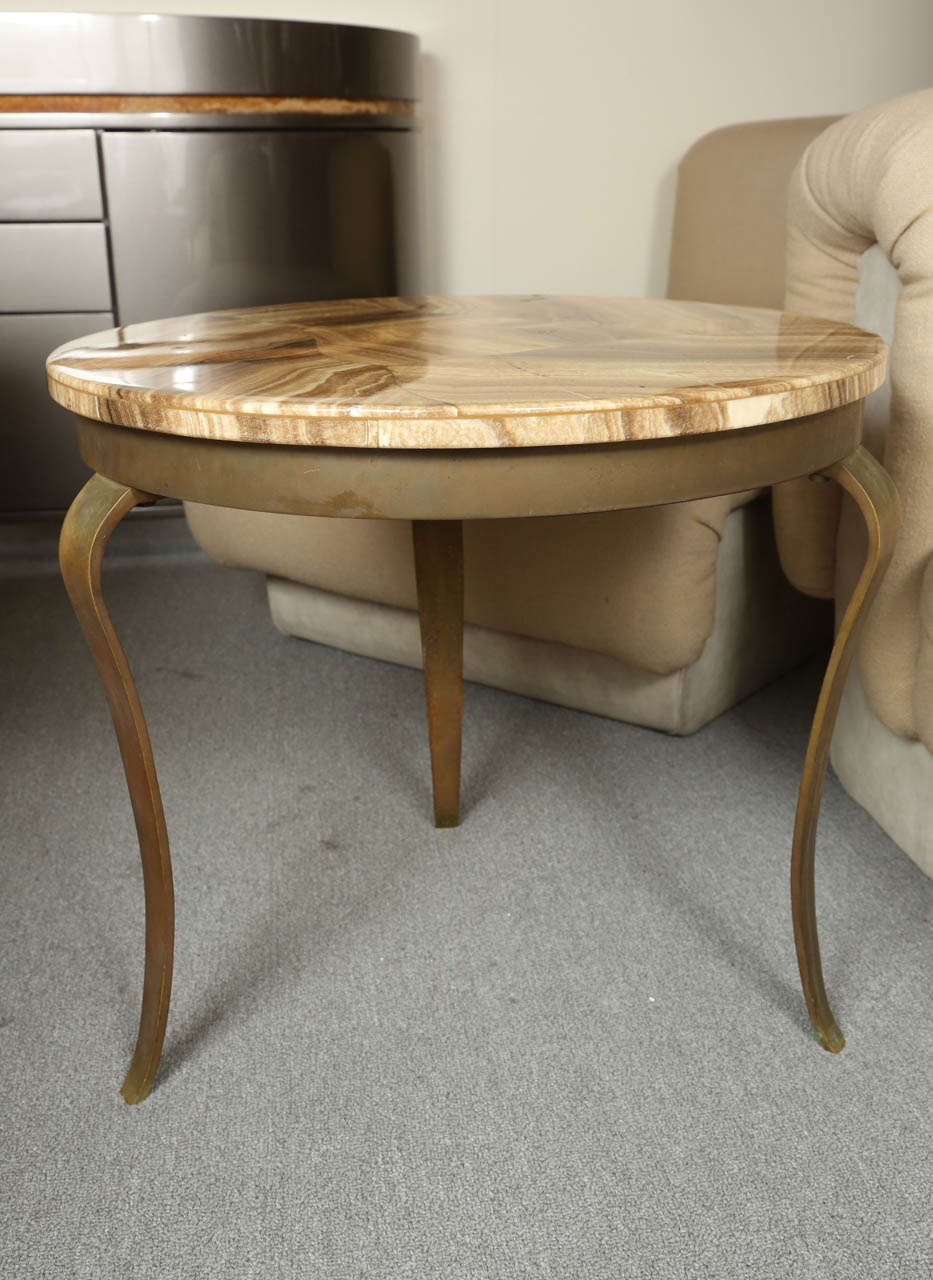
x,y
869,179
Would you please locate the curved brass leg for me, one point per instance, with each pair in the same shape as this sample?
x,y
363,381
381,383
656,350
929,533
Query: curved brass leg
x,y
94,514
439,575
873,490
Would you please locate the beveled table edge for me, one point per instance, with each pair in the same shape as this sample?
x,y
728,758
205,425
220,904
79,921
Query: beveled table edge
x,y
467,484
690,416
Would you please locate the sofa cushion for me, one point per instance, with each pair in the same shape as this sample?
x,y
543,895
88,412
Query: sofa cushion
x,y
762,626
638,585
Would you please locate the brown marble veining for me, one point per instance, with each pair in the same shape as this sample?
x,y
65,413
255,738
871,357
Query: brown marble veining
x,y
474,372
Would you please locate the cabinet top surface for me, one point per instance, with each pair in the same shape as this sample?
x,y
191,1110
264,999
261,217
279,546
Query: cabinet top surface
x,y
466,372
47,55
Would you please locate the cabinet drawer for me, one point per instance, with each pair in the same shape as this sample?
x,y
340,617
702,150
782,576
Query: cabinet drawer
x,y
49,175
200,221
47,266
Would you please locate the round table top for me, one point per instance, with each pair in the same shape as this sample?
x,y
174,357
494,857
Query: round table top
x,y
466,373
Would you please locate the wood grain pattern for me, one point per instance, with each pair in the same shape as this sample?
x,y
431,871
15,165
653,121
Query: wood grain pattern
x,y
200,104
466,373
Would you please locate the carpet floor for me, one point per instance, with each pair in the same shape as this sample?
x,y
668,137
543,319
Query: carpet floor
x,y
563,1040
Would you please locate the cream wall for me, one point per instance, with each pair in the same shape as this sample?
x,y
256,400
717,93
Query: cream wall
x,y
552,130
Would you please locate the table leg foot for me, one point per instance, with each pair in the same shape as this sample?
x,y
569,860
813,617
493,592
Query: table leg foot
x,y
874,493
94,514
438,546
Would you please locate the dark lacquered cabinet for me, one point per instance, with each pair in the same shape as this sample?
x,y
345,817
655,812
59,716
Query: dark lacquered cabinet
x,y
201,221
154,165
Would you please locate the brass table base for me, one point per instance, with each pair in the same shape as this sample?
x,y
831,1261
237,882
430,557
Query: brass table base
x,y
92,518
874,493
433,486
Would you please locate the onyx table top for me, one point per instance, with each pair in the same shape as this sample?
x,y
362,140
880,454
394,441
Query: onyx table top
x,y
466,372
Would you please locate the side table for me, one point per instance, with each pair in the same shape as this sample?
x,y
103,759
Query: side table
x,y
440,410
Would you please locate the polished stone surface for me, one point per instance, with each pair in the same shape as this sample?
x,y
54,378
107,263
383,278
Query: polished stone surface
x,y
477,372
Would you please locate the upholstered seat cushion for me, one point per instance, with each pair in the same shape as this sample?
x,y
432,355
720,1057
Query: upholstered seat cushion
x,y
639,586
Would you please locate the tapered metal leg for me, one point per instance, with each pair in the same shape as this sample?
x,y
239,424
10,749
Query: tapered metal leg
x,y
873,490
94,514
439,575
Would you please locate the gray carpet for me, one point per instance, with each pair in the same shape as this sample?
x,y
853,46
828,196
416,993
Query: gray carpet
x,y
564,1040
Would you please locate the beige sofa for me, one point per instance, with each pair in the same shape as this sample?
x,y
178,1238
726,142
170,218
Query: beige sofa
x,y
663,616
860,245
